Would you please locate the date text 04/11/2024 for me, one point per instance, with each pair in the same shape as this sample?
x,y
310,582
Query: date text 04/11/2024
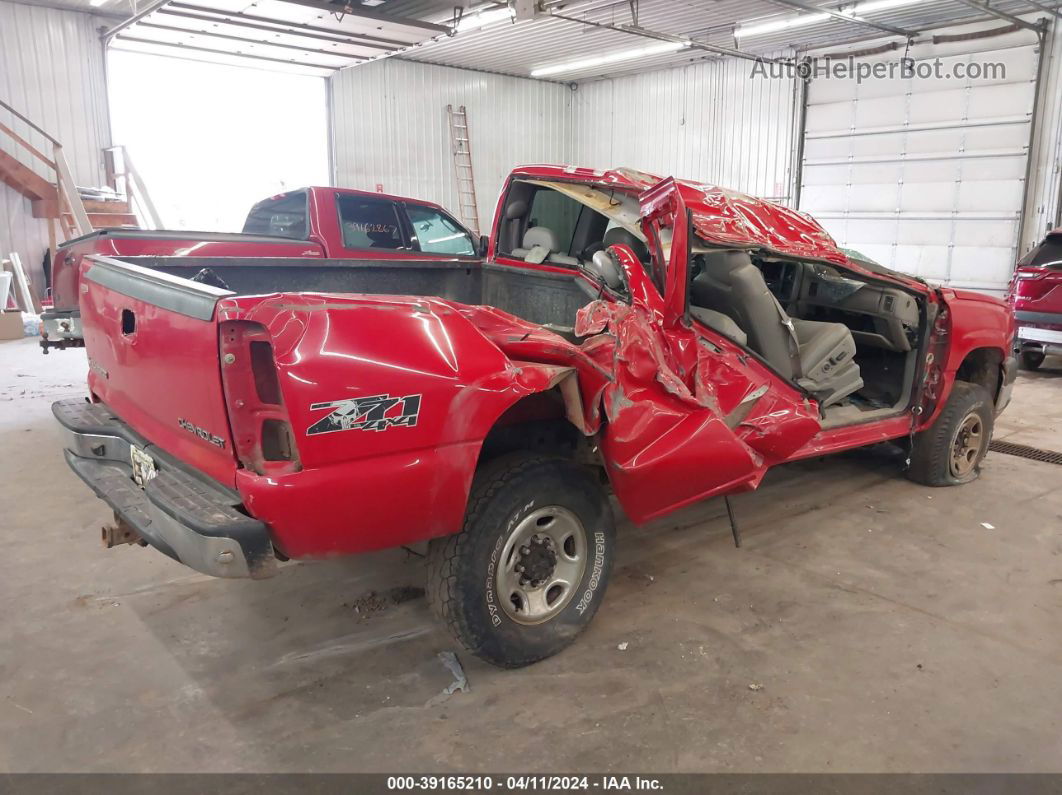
x,y
522,783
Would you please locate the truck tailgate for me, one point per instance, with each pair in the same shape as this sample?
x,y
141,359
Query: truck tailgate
x,y
152,344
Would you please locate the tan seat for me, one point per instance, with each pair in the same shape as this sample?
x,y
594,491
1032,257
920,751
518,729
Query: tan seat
x,y
818,356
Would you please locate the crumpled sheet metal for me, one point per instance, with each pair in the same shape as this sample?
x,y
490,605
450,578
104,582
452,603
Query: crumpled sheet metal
x,y
683,417
668,441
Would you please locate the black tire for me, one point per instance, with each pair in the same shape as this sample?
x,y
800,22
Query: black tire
x,y
934,449
1030,360
465,574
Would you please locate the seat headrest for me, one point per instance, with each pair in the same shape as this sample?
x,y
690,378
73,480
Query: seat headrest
x,y
540,236
620,236
515,209
725,260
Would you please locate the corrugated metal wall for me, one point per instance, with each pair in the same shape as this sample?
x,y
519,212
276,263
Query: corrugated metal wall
x,y
709,121
52,70
389,127
1044,210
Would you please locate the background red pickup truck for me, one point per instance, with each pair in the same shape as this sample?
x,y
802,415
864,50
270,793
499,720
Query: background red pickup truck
x,y
315,223
667,339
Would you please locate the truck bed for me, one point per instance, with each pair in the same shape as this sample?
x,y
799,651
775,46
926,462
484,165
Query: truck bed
x,y
541,297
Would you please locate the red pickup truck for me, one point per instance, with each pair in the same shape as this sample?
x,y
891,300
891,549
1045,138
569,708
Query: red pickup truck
x,y
319,223
664,340
1036,295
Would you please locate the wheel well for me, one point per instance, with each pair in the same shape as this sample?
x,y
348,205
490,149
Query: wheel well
x,y
536,423
982,366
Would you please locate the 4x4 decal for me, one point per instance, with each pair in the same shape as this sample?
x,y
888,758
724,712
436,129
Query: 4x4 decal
x,y
376,413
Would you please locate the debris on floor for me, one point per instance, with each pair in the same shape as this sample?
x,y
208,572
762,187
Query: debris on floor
x,y
622,646
755,686
374,602
449,659
988,526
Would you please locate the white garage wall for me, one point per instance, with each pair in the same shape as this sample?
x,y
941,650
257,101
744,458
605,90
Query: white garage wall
x,y
389,127
1044,210
927,175
51,70
707,121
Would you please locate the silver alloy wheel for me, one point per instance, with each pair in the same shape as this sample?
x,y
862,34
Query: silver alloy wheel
x,y
966,447
541,565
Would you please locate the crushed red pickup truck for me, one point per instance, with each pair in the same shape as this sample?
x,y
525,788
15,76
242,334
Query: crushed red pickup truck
x,y
664,340
315,223
1036,295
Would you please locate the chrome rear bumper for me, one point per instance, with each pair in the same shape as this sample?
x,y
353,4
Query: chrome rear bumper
x,y
178,512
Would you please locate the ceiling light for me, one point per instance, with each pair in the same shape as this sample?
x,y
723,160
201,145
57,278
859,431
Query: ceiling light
x,y
477,19
775,26
880,5
601,60
96,3
779,25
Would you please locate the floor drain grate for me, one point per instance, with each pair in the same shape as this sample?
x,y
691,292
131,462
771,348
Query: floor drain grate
x,y
1024,451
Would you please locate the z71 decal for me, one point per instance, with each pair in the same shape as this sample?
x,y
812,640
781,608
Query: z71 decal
x,y
376,413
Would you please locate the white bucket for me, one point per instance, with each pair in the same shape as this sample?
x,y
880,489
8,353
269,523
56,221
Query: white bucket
x,y
5,288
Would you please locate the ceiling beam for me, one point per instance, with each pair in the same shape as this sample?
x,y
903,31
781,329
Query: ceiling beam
x,y
302,25
287,29
150,8
1049,9
194,48
982,6
258,42
350,9
651,34
804,6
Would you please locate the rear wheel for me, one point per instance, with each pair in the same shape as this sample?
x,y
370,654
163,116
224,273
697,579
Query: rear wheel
x,y
1031,360
528,570
951,450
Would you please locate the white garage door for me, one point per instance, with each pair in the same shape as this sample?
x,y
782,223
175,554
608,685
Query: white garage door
x,y
926,176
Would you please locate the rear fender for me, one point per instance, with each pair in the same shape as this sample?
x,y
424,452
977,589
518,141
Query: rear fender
x,y
390,399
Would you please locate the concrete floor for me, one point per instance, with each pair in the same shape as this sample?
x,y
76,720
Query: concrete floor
x,y
886,629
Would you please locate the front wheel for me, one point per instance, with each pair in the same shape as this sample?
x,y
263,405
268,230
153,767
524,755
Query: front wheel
x,y
528,570
951,450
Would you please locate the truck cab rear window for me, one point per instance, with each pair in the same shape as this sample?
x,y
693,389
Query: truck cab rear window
x,y
281,216
369,223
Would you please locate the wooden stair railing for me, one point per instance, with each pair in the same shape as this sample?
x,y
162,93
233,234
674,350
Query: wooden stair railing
x,y
59,200
126,180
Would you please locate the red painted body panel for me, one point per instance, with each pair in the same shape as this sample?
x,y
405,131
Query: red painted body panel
x,y
1037,288
678,412
153,383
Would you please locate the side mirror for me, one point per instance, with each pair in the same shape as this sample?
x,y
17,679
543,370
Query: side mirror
x,y
483,245
607,269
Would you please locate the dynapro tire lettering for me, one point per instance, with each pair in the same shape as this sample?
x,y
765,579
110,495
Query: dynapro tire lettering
x,y
375,413
595,572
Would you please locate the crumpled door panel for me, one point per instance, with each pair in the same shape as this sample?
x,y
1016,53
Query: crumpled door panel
x,y
667,445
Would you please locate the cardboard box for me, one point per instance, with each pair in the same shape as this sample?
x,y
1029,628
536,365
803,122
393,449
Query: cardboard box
x,y
11,327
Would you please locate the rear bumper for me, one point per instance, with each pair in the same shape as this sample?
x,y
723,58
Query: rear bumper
x,y
179,513
1040,332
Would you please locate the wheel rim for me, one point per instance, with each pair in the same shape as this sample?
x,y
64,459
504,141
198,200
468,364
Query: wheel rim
x,y
541,565
966,447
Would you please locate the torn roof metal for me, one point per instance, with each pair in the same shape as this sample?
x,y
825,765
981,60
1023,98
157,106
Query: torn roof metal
x,y
721,216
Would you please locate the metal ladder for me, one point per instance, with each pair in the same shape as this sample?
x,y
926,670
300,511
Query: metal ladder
x,y
461,148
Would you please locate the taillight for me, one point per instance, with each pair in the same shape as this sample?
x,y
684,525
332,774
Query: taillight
x,y
261,429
